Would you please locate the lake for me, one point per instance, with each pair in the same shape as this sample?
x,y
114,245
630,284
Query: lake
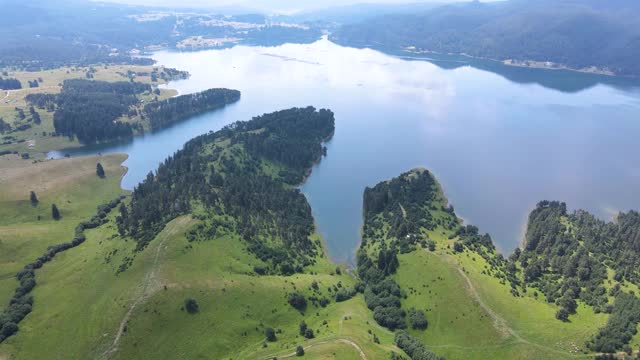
x,y
499,139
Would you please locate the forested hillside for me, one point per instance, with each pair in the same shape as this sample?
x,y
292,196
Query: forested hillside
x,y
166,112
575,33
569,260
90,109
241,178
98,111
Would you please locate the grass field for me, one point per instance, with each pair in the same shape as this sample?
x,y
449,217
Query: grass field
x,y
36,140
71,184
85,308
76,317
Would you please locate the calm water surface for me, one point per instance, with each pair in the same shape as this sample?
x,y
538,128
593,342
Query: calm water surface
x,y
498,139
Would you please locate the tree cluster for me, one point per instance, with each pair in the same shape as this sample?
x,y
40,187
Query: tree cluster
x,y
414,347
621,326
10,84
89,109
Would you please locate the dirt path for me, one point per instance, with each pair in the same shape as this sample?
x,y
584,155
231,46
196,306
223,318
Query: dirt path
x,y
500,323
150,284
363,356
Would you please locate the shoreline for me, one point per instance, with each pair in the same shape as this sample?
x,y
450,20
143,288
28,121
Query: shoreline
x,y
526,64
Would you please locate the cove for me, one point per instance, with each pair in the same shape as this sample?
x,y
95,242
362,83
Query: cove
x,y
498,139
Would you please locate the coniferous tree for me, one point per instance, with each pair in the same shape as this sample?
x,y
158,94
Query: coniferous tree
x,y
34,198
55,213
99,170
270,334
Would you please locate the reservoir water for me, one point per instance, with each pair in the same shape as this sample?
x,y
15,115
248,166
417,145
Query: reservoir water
x,y
499,139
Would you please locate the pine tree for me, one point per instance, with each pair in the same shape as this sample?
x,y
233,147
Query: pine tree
x,y
55,213
99,170
34,198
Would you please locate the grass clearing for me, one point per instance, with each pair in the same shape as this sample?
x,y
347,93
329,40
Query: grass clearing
x,y
71,184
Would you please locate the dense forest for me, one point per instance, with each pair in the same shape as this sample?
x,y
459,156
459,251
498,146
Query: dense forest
x,y
166,112
575,33
97,111
239,180
89,109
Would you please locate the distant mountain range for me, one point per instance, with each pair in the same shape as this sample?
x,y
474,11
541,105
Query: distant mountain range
x,y
575,33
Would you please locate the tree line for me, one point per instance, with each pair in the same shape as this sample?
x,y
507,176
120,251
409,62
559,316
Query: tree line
x,y
21,303
166,112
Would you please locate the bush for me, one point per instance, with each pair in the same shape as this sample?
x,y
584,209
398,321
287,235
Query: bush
x,y
270,334
414,347
345,294
417,319
191,305
299,351
562,314
390,317
297,300
308,333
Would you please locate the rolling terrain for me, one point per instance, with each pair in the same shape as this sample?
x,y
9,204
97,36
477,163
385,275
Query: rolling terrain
x,y
215,255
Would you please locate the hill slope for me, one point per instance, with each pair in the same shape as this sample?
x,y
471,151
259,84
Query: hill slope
x,y
479,304
574,33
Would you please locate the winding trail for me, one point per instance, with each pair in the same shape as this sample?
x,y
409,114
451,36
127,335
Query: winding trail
x,y
500,323
151,283
363,356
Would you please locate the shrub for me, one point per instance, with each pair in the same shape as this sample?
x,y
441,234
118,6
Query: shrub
x,y
191,305
299,351
418,319
297,300
270,334
308,333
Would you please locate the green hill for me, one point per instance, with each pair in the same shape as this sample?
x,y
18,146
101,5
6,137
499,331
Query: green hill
x,y
479,304
215,255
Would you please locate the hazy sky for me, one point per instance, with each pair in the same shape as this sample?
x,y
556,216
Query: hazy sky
x,y
273,5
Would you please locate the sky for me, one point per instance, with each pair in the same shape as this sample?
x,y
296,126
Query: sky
x,y
267,5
